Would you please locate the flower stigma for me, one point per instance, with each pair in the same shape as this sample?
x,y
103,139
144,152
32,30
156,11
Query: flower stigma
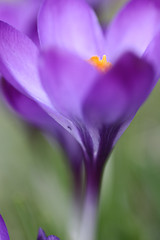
x,y
102,65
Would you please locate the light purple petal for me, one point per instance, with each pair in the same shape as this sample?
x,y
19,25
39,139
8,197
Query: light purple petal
x,y
66,79
152,54
18,63
21,15
26,108
71,25
118,94
133,28
9,12
3,230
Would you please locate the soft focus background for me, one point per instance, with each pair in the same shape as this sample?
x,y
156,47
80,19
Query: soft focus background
x,y
35,183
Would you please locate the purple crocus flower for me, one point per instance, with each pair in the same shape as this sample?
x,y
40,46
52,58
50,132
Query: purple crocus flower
x,y
5,236
93,99
42,236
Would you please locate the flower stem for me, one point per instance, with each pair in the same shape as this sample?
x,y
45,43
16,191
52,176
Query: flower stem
x,y
90,208
75,205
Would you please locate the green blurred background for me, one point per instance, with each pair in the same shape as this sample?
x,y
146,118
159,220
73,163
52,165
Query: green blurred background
x,y
35,183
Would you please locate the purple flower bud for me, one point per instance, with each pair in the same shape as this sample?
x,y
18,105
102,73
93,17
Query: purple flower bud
x,y
42,236
5,236
3,230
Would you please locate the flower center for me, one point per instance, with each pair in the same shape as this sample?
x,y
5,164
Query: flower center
x,y
101,65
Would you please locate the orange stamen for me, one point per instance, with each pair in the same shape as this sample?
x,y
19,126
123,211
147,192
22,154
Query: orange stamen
x,y
101,65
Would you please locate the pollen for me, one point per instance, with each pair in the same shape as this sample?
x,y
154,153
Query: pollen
x,y
102,65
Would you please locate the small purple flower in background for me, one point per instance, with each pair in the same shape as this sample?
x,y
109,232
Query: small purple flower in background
x,y
5,236
93,99
42,236
3,230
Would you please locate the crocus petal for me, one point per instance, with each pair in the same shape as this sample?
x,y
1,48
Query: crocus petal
x,y
9,12
52,238
18,65
134,28
3,230
42,236
66,79
71,25
18,62
119,94
15,14
26,108
152,54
